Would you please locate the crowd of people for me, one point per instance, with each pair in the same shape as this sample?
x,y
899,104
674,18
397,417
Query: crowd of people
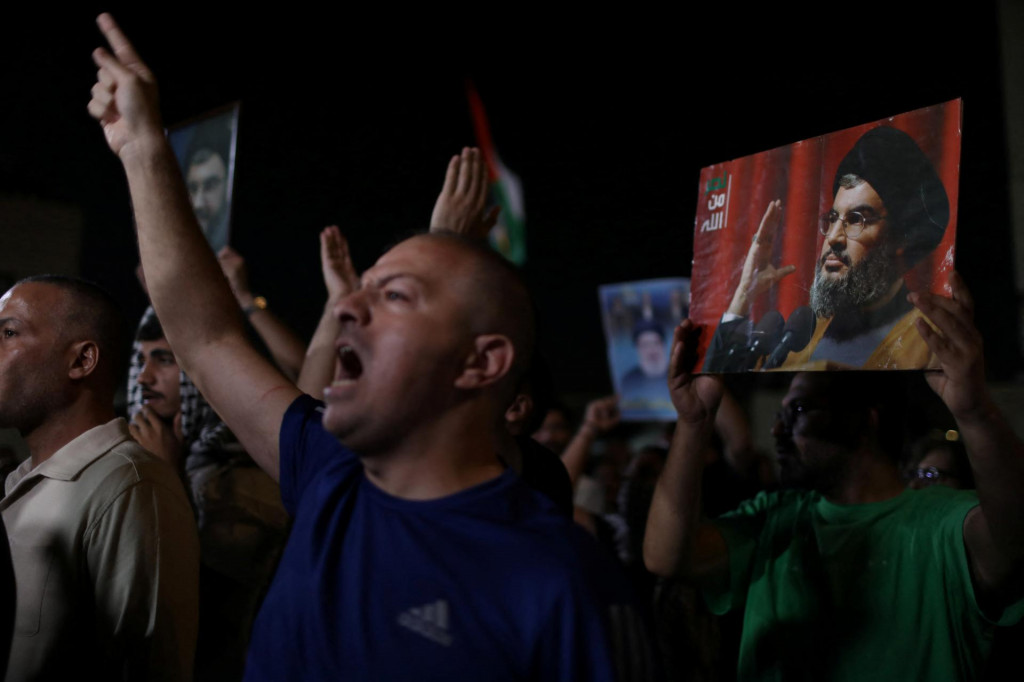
x,y
404,497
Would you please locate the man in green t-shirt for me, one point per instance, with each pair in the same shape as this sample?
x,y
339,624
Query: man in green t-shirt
x,y
848,575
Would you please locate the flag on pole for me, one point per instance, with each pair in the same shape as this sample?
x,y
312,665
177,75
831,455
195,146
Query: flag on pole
x,y
508,236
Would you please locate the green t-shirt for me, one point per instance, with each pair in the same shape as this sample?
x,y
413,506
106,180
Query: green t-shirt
x,y
878,591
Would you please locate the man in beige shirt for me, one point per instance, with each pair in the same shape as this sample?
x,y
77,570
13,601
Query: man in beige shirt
x,y
102,537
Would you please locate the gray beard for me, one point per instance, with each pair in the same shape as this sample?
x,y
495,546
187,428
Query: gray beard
x,y
862,285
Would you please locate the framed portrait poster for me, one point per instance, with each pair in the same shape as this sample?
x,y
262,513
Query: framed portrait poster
x,y
205,148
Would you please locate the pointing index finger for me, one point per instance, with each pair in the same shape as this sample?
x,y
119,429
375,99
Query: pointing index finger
x,y
119,43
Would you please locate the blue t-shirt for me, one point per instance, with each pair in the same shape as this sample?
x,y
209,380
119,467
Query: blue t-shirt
x,y
491,583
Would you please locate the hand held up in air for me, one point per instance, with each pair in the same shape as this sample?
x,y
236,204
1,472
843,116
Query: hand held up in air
x,y
460,206
340,276
958,347
696,398
237,274
602,415
125,99
759,275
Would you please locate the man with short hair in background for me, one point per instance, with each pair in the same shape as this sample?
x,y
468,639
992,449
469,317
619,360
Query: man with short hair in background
x,y
102,537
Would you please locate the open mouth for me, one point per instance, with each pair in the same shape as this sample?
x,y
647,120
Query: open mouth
x,y
150,396
350,367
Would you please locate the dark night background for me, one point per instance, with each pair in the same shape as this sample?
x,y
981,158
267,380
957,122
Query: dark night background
x,y
350,118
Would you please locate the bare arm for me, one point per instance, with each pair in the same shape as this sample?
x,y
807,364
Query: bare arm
x,y
195,306
285,347
341,279
463,198
678,542
601,416
994,531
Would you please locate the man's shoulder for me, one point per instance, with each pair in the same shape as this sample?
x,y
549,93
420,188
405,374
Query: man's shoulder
x,y
903,347
302,427
937,501
308,451
127,464
773,501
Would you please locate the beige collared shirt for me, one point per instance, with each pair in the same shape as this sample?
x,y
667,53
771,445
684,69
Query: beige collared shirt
x,y
106,561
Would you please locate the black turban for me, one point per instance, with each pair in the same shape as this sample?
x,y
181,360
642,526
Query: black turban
x,y
892,163
644,326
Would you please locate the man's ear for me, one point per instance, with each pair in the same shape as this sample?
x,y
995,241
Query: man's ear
x,y
490,360
85,356
519,410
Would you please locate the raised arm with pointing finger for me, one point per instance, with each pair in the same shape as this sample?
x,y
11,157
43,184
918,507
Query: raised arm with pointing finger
x,y
413,551
188,290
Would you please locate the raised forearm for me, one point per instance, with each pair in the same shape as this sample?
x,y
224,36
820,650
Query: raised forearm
x,y
284,345
574,457
318,366
674,537
186,285
997,462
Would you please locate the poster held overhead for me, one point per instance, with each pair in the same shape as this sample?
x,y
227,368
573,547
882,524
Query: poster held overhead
x,y
205,148
844,225
639,318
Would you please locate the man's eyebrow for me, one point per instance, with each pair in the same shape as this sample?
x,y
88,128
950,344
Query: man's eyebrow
x,y
161,353
864,208
391,277
7,320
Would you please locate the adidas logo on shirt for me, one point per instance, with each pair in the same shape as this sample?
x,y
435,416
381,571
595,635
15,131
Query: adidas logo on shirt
x,y
429,620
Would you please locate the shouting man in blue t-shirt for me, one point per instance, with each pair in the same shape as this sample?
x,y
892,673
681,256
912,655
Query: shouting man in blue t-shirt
x,y
421,555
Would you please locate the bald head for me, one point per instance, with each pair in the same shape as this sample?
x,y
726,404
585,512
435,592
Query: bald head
x,y
496,298
440,330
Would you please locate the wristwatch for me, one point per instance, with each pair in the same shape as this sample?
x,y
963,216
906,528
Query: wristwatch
x,y
258,303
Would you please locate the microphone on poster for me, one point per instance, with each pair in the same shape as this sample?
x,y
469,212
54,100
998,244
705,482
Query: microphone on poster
x,y
765,336
795,337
